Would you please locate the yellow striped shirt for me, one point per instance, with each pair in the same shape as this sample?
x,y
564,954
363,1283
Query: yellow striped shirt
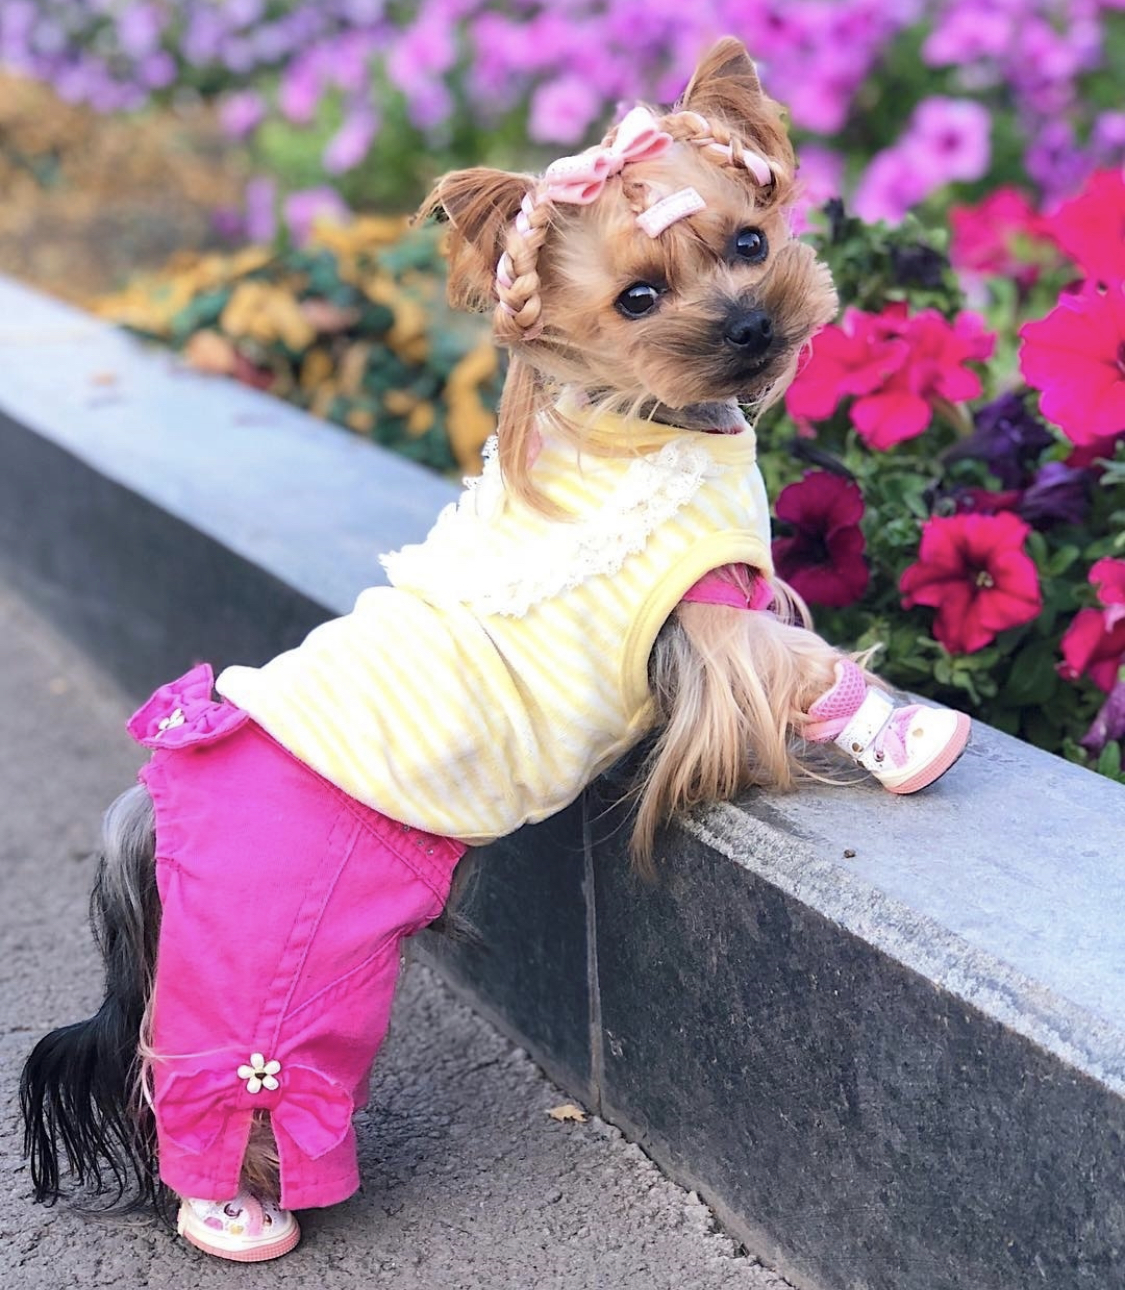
x,y
507,664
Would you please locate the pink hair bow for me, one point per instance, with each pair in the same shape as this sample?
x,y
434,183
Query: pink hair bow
x,y
580,179
313,1110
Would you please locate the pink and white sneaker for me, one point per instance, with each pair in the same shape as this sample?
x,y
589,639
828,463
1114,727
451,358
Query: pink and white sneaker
x,y
246,1229
905,748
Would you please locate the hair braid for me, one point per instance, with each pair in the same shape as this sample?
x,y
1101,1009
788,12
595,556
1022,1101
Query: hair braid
x,y
518,315
719,144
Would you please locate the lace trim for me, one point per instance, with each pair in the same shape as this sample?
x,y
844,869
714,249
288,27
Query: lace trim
x,y
467,560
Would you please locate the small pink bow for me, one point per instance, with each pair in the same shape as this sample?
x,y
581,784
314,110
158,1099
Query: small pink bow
x,y
184,712
580,179
314,1110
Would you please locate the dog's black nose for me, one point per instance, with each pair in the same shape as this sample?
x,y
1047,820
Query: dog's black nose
x,y
749,330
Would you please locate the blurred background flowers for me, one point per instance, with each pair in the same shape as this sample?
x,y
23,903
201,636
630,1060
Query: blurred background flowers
x,y
230,177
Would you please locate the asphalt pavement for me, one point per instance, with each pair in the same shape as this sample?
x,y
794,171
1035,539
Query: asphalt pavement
x,y
468,1182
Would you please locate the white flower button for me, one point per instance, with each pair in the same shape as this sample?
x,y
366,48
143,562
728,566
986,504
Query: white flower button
x,y
259,1074
170,722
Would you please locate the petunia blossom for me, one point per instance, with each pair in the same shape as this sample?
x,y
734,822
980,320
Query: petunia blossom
x,y
1003,235
974,570
1094,643
1090,228
1076,357
1006,437
1109,723
896,364
823,559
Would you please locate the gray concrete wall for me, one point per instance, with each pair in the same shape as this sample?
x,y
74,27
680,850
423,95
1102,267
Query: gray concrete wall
x,y
884,1036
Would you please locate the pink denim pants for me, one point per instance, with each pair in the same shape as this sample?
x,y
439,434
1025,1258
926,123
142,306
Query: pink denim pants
x,y
285,903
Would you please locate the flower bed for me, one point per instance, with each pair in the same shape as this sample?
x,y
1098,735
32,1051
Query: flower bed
x,y
362,101
353,326
954,488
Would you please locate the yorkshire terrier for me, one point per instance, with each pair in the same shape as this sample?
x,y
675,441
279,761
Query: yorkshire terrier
x,y
607,578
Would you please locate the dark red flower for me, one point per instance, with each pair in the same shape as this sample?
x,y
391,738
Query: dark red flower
x,y
1087,455
974,571
823,559
1076,357
895,365
1090,228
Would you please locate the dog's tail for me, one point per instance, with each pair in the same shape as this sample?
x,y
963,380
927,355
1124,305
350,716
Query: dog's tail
x,y
81,1094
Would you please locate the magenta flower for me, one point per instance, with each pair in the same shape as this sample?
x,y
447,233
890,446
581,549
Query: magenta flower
x,y
898,366
1076,357
974,570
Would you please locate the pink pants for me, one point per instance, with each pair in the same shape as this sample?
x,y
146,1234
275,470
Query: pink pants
x,y
285,903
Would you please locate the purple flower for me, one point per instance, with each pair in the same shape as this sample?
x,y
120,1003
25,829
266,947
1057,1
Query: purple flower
x,y
1109,724
1060,494
139,29
304,209
349,145
261,209
1007,438
302,84
241,113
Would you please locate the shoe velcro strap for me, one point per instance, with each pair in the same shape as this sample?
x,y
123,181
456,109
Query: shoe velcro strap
x,y
870,717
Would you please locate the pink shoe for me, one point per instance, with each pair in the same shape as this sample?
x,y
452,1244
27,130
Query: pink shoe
x,y
246,1229
904,748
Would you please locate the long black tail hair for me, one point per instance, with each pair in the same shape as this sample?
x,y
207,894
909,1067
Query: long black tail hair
x,y
81,1092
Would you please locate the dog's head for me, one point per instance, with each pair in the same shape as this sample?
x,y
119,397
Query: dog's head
x,y
658,267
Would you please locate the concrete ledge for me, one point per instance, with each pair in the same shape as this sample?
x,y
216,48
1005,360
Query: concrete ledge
x,y
928,1034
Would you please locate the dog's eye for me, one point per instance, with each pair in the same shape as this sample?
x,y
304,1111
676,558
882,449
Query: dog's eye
x,y
637,300
751,245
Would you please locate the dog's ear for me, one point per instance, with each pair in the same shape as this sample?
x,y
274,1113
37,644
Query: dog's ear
x,y
481,205
725,85
726,76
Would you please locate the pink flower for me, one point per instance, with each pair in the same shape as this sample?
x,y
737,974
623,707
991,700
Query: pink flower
x,y
823,559
820,177
1089,646
946,140
1076,357
1108,575
563,109
1091,227
890,186
1003,235
950,138
897,365
1094,643
974,571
